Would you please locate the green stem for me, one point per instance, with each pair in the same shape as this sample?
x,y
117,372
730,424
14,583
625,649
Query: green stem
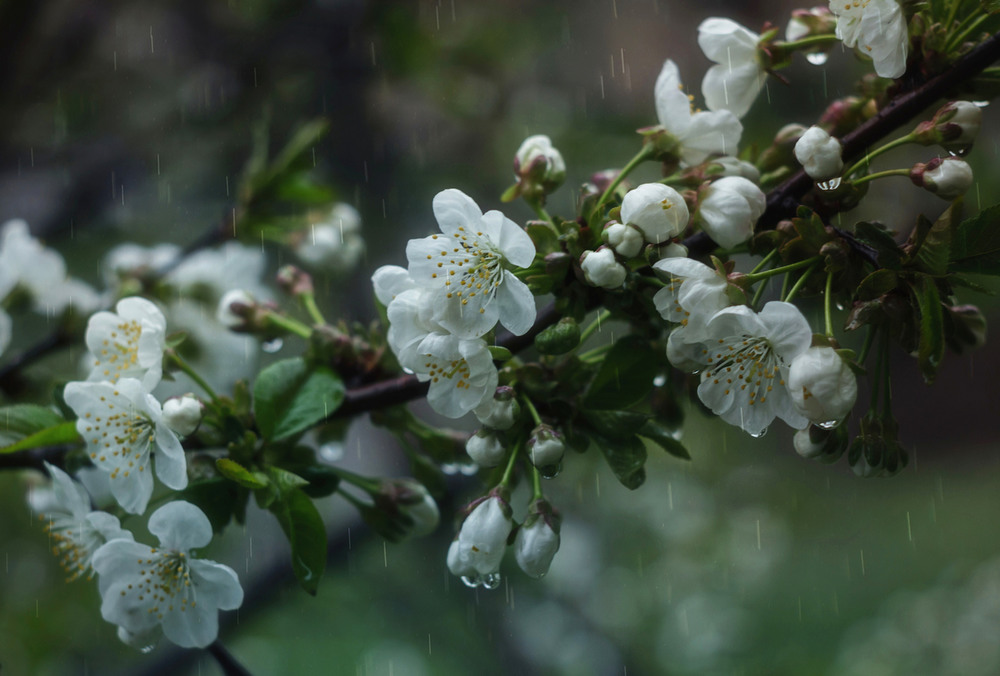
x,y
508,473
799,283
866,160
602,316
964,33
193,375
881,174
309,303
808,42
951,13
644,154
764,261
532,410
867,346
536,484
755,277
758,294
288,325
544,215
370,486
827,303
596,352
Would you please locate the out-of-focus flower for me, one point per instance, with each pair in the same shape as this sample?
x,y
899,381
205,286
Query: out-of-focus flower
x,y
538,166
878,27
738,76
333,243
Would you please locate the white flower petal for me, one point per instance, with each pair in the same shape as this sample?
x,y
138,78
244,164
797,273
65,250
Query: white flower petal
x,y
454,209
180,525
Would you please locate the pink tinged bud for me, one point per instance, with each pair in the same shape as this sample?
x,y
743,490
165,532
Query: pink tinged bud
x,y
955,125
236,309
947,178
600,268
485,449
545,446
822,386
294,281
183,414
819,154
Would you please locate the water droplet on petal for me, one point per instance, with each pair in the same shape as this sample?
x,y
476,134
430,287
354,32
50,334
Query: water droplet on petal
x,y
817,58
832,184
450,468
468,469
961,151
272,346
828,425
660,380
550,471
758,435
492,581
981,104
471,582
331,452
146,649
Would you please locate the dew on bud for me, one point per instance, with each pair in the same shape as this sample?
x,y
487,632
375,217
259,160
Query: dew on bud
x,y
331,452
817,58
960,151
550,471
491,581
146,649
828,425
832,184
759,434
660,380
471,582
272,346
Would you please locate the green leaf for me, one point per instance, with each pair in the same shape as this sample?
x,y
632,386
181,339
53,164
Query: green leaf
x,y
975,244
932,339
932,242
881,240
20,420
661,436
625,376
876,284
613,424
234,471
545,240
626,458
303,526
63,433
290,396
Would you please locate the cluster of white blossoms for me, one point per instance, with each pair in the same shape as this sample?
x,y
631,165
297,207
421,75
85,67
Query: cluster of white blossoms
x,y
29,267
459,285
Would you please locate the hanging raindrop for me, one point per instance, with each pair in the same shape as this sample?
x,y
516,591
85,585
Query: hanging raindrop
x,y
272,346
832,184
817,58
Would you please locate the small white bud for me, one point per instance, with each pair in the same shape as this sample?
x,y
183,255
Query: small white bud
x,y
729,208
819,154
822,385
601,269
658,210
624,239
545,446
947,178
183,414
499,411
539,164
485,449
537,541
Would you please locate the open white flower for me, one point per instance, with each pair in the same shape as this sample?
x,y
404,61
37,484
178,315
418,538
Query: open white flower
x,y
75,530
146,590
461,372
822,385
693,294
128,343
878,27
729,208
209,273
737,78
699,133
123,427
658,210
467,265
476,553
746,357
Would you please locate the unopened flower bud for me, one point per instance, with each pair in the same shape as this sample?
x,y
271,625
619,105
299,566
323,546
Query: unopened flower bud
x,y
779,153
626,240
236,310
410,507
501,411
183,414
822,386
947,178
820,443
539,166
537,540
844,114
809,23
476,553
545,446
819,154
729,208
559,338
657,210
294,281
734,166
954,126
600,268
485,449
332,241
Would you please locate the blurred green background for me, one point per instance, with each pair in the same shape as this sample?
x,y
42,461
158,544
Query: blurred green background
x,y
130,122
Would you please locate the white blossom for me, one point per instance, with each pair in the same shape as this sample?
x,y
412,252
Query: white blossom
x,y
476,553
210,273
734,166
947,178
738,76
728,209
127,343
878,28
693,294
334,243
658,210
746,357
75,530
600,268
822,385
123,427
460,371
819,154
183,414
699,133
466,266
146,590
134,260
485,449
